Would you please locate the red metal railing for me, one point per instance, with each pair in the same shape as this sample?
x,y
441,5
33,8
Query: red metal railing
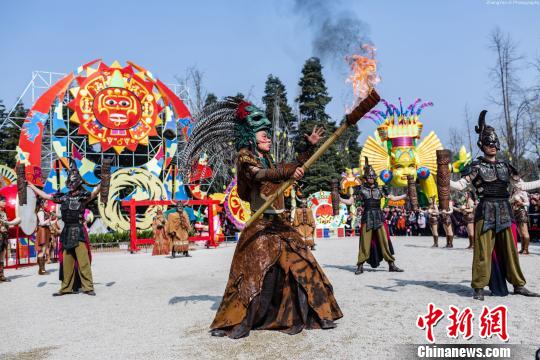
x,y
132,205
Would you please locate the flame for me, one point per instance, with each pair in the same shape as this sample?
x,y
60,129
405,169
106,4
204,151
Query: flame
x,y
363,75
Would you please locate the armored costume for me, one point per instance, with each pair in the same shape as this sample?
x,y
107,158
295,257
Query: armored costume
x,y
495,256
374,243
74,236
275,283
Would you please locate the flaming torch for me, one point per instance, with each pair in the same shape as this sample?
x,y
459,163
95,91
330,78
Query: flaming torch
x,y
363,78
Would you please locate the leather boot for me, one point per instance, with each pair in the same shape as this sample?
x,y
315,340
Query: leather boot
x,y
359,269
435,241
522,290
478,294
449,241
393,268
218,333
2,277
524,246
41,264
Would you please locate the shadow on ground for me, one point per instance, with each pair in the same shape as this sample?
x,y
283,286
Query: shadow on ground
x,y
352,268
216,300
451,288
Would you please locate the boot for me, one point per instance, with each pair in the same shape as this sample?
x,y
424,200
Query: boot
x,y
471,242
41,264
478,294
218,333
449,241
2,277
186,253
359,269
522,290
393,268
435,241
524,246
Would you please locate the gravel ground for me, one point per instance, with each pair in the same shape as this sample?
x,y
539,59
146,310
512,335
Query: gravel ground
x,y
160,308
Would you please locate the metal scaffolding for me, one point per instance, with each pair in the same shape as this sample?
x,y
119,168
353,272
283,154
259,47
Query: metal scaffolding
x,y
43,80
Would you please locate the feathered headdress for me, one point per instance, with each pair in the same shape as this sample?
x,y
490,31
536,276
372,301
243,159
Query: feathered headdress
x,y
220,125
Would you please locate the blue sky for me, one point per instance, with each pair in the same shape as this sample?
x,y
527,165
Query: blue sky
x,y
435,50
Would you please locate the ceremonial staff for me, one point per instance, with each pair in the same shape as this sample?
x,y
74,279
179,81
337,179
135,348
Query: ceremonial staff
x,y
351,119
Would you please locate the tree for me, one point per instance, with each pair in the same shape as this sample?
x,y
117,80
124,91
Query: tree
x,y
312,102
349,147
210,99
284,121
509,95
10,133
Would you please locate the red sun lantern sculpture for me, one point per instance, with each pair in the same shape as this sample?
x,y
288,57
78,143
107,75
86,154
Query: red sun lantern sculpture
x,y
116,107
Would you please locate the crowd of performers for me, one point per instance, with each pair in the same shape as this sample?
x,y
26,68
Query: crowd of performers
x,y
275,282
171,235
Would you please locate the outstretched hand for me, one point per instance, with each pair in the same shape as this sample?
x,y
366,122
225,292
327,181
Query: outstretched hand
x,y
315,136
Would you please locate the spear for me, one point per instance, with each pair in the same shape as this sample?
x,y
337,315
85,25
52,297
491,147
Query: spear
x,y
351,119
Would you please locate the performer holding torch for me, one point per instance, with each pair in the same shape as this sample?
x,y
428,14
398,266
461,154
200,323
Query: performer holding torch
x,y
271,259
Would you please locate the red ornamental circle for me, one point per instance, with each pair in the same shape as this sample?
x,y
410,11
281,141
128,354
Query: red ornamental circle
x,y
117,108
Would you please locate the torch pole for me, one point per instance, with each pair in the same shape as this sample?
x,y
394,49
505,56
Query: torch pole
x,y
355,115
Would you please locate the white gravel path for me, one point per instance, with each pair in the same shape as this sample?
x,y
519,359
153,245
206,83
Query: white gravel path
x,y
160,308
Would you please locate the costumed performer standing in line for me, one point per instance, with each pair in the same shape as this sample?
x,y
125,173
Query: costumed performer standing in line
x,y
178,228
304,222
274,283
374,241
491,180
73,237
43,235
5,224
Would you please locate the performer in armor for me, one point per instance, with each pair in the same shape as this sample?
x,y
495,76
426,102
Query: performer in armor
x,y
73,236
520,203
43,235
433,215
304,222
374,244
4,235
491,180
446,220
275,283
178,228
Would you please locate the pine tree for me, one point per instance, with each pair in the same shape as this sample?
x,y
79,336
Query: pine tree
x,y
10,133
274,91
210,99
312,102
280,113
349,147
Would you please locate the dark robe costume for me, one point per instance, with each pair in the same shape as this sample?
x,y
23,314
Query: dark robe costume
x,y
275,283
